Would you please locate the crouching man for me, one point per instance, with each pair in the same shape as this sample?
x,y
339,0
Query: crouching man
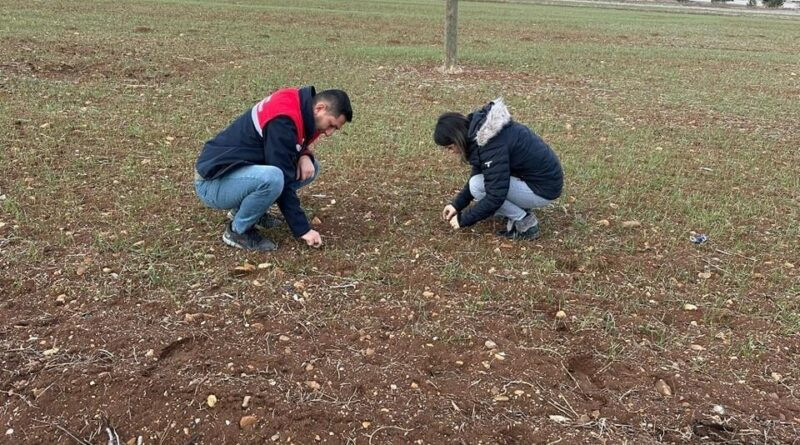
x,y
263,158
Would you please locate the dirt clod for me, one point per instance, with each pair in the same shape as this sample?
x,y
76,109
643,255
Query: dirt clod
x,y
663,388
247,422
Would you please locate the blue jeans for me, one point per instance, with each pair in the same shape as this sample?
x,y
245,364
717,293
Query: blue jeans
x,y
519,200
250,191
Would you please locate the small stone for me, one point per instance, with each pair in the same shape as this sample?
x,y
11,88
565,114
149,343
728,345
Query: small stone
x,y
211,400
247,421
697,348
427,294
309,367
246,402
106,270
558,419
365,425
369,351
718,409
689,307
603,222
490,344
80,271
191,318
560,315
631,224
776,376
284,338
663,388
316,221
313,385
500,398
50,352
705,275
774,396
519,392
61,299
264,265
788,265
500,356
244,269
149,353
9,431
414,385
257,326
584,419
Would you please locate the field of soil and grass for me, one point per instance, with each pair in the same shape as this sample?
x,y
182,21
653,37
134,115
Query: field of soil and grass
x,y
120,302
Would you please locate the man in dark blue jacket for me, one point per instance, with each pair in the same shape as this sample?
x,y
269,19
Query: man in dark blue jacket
x,y
263,158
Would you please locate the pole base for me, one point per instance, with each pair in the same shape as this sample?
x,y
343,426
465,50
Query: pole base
x,y
450,70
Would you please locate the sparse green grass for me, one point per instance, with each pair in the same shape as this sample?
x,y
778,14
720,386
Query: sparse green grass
x,y
681,122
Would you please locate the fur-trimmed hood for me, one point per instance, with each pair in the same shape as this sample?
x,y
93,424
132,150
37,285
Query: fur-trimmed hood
x,y
487,122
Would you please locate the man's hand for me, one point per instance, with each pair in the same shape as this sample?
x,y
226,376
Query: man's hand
x,y
305,168
312,238
448,212
454,223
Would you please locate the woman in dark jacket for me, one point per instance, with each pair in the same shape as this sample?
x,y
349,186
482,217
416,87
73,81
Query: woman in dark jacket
x,y
513,170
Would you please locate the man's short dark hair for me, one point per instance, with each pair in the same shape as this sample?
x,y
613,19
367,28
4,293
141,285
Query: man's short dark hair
x,y
338,102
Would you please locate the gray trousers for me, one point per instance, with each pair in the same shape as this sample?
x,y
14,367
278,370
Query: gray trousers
x,y
519,200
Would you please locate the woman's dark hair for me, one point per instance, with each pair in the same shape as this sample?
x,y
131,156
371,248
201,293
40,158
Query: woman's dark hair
x,y
452,128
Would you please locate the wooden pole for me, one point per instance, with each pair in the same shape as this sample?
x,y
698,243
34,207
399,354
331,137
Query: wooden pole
x,y
450,36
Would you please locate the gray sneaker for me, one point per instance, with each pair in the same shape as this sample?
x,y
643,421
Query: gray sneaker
x,y
267,220
526,223
249,240
530,234
525,229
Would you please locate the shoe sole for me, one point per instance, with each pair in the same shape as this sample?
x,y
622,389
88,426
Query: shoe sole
x,y
231,242
517,236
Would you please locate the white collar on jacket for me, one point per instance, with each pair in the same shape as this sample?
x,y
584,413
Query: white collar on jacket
x,y
497,118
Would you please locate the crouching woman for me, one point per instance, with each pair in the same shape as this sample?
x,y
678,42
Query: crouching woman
x,y
513,170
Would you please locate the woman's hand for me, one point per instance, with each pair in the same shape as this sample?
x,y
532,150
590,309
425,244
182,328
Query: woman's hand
x,y
454,223
449,212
